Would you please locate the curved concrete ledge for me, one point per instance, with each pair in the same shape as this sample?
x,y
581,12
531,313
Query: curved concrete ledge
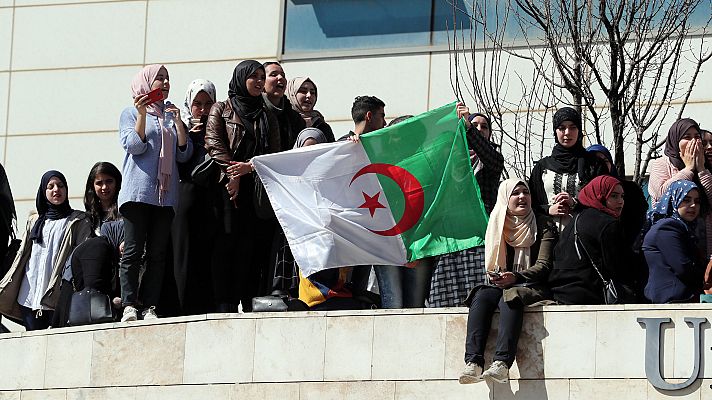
x,y
565,352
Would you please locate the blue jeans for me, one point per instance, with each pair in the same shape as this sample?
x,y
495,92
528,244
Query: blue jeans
x,y
403,287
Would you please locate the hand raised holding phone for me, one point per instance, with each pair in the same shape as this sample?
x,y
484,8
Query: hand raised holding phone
x,y
142,101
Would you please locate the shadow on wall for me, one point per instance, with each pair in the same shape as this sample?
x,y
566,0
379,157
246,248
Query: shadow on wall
x,y
529,365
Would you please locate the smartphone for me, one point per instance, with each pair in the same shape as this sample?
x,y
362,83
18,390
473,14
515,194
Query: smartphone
x,y
202,120
494,274
155,95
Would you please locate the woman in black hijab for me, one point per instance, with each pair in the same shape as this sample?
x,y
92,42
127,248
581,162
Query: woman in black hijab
x,y
239,128
30,290
555,180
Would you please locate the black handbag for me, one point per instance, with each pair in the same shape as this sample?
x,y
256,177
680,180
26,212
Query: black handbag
x,y
207,172
89,306
268,304
613,293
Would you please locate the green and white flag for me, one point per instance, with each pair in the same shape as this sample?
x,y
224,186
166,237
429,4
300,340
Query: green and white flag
x,y
403,193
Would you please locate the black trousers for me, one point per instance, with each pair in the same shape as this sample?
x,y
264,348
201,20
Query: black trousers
x,y
192,236
145,227
243,244
487,299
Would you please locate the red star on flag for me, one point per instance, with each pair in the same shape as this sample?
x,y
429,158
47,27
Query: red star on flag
x,y
371,202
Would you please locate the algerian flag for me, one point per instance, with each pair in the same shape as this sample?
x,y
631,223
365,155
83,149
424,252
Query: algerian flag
x,y
403,193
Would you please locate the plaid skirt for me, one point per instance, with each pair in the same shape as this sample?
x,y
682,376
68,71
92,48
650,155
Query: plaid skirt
x,y
455,275
285,272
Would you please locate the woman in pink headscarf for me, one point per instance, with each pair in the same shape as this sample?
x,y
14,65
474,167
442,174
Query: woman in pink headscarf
x,y
154,138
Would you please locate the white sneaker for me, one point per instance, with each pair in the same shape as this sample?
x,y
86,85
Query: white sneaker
x,y
497,372
149,313
471,374
130,314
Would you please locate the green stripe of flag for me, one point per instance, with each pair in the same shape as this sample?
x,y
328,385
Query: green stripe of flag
x,y
432,147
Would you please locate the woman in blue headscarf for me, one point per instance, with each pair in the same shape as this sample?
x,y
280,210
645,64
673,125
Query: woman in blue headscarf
x,y
676,270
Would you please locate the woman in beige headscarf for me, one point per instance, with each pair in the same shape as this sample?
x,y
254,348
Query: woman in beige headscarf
x,y
302,93
517,244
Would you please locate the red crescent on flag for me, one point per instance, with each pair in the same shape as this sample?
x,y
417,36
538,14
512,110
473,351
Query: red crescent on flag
x,y
412,192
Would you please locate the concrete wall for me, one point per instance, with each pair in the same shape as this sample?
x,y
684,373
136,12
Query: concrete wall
x,y
565,352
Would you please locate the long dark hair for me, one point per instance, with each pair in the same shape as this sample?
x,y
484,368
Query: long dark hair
x,y
92,204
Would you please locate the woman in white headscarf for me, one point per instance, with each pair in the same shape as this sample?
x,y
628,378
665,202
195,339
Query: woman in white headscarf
x,y
518,245
193,225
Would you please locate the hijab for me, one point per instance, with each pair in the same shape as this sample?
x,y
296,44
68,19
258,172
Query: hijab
x,y
670,201
598,148
45,208
672,143
312,117
249,108
140,85
309,133
567,160
505,228
195,87
596,192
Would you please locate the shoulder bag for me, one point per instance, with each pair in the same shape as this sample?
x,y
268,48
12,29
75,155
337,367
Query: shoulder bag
x,y
89,306
610,288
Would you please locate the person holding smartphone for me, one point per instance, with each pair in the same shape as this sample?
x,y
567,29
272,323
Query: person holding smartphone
x,y
193,226
518,244
154,139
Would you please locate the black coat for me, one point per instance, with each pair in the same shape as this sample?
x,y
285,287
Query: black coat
x,y
573,279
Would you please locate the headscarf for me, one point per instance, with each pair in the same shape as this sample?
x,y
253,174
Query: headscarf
x,y
473,115
292,89
672,143
309,133
504,228
249,108
195,87
562,159
596,192
598,148
670,201
45,208
140,85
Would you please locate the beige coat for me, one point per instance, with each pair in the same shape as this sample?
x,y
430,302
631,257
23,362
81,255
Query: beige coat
x,y
78,230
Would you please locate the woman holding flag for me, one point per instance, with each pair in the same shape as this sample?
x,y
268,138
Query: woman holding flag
x,y
457,273
240,128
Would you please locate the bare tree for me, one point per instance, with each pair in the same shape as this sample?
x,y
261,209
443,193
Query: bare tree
x,y
624,64
499,91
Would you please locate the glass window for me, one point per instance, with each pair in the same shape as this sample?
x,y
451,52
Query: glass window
x,y
312,25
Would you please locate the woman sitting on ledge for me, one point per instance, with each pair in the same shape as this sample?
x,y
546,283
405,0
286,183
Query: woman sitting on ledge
x,y
676,270
518,245
593,243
